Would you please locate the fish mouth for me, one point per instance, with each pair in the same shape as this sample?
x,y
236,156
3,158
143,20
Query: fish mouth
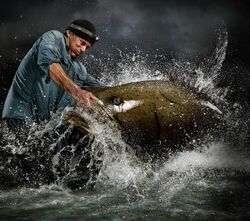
x,y
125,106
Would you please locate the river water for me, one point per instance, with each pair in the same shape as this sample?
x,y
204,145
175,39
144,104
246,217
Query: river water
x,y
211,182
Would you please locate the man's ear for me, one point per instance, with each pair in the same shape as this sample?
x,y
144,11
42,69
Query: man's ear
x,y
69,33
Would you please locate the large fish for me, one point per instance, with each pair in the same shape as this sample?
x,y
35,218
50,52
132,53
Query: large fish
x,y
159,116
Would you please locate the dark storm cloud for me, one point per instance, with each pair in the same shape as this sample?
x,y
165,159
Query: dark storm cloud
x,y
22,22
180,26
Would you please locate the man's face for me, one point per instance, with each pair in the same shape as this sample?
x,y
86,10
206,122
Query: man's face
x,y
77,45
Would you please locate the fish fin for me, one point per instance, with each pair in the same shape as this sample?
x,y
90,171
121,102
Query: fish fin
x,y
211,106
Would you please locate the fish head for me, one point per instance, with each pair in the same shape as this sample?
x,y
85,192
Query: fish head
x,y
151,112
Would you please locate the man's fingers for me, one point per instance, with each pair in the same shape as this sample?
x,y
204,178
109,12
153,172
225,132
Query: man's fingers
x,y
84,103
88,104
84,99
96,99
93,96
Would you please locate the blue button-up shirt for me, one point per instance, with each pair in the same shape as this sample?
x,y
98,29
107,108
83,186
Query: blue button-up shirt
x,y
33,96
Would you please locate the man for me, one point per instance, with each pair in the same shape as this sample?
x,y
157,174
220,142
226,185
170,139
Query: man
x,y
50,77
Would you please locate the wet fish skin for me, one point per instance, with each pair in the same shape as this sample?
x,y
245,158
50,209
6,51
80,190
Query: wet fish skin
x,y
156,115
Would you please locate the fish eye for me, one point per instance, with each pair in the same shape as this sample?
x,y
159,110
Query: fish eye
x,y
117,100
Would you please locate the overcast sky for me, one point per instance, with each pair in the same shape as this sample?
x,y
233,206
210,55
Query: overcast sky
x,y
182,27
179,26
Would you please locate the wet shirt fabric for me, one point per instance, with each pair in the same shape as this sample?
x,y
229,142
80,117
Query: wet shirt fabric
x,y
33,96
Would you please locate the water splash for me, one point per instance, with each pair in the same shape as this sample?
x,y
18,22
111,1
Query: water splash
x,y
124,66
116,160
210,181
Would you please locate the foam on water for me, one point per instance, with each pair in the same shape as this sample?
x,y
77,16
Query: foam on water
x,y
212,156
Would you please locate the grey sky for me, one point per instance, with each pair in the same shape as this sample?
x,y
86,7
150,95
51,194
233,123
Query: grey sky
x,y
177,26
185,27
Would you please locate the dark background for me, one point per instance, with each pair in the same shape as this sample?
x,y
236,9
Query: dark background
x,y
175,28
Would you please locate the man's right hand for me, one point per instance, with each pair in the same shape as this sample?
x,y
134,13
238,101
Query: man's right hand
x,y
83,98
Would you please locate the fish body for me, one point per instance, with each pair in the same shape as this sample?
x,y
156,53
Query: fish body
x,y
159,116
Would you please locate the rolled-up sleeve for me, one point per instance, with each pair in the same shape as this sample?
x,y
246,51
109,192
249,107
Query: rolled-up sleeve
x,y
92,82
88,81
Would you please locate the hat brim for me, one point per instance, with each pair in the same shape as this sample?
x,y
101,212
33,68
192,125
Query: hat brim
x,y
82,35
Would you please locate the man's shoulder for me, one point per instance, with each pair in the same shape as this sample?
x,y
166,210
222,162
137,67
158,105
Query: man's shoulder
x,y
53,34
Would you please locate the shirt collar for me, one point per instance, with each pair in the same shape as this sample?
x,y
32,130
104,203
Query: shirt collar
x,y
66,42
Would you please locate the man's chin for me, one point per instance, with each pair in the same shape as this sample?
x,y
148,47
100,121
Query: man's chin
x,y
73,56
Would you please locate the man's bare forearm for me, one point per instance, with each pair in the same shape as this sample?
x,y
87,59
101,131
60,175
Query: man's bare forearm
x,y
82,97
58,75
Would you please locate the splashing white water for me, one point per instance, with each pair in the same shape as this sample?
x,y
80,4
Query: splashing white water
x,y
120,166
212,156
133,67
